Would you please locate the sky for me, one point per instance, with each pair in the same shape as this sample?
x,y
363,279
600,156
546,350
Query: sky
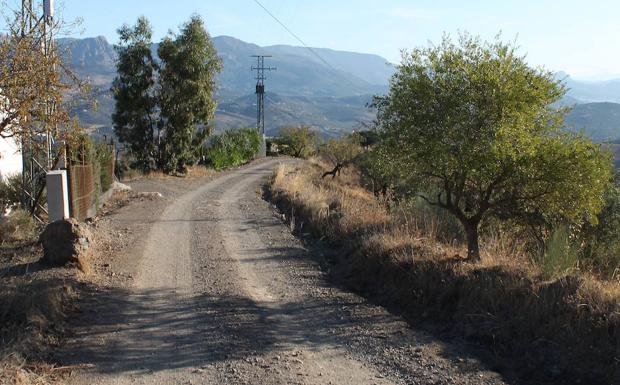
x,y
581,38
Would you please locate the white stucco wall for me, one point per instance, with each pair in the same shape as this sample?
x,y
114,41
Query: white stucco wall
x,y
10,158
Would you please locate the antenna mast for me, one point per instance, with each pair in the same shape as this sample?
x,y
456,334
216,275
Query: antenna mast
x,y
260,97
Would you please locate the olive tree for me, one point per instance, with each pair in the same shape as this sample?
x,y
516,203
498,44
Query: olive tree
x,y
473,129
342,152
301,140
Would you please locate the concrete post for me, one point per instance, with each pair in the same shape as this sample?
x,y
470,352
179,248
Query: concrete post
x,y
57,195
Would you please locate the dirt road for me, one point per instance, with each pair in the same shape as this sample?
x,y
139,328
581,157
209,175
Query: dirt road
x,y
208,286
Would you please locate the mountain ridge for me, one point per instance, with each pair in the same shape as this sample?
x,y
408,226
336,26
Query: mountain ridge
x,y
305,90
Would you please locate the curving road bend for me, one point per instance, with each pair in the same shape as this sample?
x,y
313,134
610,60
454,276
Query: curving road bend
x,y
222,293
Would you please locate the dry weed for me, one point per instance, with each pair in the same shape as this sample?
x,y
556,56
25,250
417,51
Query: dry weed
x,y
571,324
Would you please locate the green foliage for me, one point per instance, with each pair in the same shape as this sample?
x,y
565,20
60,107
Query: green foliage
x,y
234,148
601,242
368,138
187,78
134,89
10,192
343,150
83,150
174,97
471,128
104,157
377,171
299,141
19,226
561,255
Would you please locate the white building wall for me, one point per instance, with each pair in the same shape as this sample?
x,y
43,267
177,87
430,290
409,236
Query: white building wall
x,y
10,158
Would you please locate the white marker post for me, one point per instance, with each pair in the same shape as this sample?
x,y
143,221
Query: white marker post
x,y
57,195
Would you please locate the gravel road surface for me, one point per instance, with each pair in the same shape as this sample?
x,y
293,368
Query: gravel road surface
x,y
207,286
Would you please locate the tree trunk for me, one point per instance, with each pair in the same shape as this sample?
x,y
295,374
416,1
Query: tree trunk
x,y
473,248
335,171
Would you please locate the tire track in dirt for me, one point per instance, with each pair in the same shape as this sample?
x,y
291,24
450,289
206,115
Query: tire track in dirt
x,y
224,294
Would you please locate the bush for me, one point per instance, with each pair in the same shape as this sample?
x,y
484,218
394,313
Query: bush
x,y
341,152
234,148
105,158
561,255
300,142
85,150
19,226
601,243
10,192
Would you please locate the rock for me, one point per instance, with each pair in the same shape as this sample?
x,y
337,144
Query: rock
x,y
117,186
151,195
65,241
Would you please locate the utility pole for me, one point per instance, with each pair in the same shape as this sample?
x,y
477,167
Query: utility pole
x,y
37,152
260,97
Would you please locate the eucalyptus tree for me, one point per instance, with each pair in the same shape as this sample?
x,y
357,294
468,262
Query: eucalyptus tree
x,y
189,66
135,92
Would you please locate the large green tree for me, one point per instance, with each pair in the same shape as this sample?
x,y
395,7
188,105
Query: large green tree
x,y
189,68
474,129
134,88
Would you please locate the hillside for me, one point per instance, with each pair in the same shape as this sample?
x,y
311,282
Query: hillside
x,y
332,98
588,92
302,90
601,121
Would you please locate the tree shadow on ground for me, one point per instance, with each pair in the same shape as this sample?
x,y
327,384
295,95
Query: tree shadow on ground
x,y
153,330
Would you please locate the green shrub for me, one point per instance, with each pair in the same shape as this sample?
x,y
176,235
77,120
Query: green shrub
x,y
85,150
19,226
601,243
104,157
561,255
298,141
10,192
234,148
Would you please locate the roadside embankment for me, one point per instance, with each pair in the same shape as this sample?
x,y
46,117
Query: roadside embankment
x,y
546,331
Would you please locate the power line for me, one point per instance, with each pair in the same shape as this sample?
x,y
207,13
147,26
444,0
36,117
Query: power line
x,y
294,35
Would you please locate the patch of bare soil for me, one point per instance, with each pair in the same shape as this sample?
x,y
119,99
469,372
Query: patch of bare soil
x,y
34,301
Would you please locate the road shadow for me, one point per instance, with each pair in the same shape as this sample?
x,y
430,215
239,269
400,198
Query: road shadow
x,y
142,331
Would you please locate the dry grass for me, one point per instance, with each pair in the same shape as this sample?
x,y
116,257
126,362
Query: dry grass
x,y
19,226
196,171
31,319
567,329
33,305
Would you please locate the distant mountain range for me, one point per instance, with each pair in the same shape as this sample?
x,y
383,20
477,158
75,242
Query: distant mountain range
x,y
324,88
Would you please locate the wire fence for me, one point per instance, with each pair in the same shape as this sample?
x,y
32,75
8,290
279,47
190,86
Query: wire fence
x,y
81,190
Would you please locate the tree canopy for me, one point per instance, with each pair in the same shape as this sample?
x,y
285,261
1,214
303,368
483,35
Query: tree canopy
x,y
301,140
35,83
174,96
472,128
134,89
189,68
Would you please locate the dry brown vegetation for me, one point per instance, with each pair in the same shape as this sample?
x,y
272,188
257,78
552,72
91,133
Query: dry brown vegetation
x,y
564,330
196,171
34,301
